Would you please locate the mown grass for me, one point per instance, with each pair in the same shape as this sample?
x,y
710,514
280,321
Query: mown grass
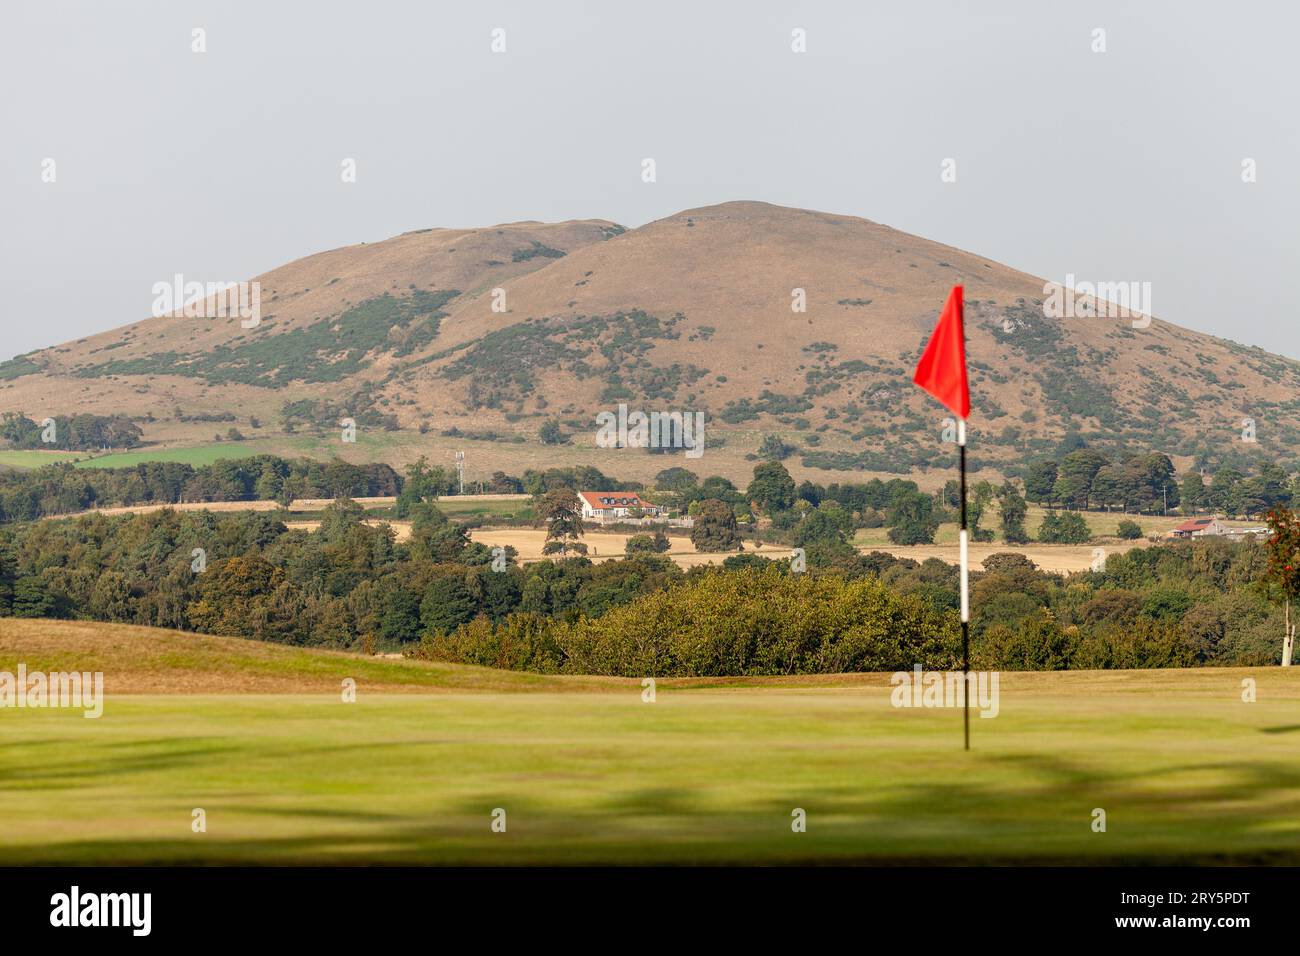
x,y
708,773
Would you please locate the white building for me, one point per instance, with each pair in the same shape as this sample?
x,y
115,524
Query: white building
x,y
615,505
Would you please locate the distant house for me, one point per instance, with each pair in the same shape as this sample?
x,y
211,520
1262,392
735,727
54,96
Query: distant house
x,y
1199,528
1240,534
615,505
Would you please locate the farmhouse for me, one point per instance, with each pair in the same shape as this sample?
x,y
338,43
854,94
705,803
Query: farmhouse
x,y
615,505
1214,528
1199,528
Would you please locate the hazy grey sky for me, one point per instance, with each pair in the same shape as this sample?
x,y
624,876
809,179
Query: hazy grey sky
x,y
1123,165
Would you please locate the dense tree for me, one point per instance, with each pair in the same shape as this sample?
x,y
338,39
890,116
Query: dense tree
x,y
1066,527
349,585
912,519
447,603
551,434
772,488
434,537
656,543
1040,481
715,527
1193,492
827,524
1012,508
676,479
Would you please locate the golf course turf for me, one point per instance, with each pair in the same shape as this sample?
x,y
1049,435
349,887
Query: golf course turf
x,y
585,771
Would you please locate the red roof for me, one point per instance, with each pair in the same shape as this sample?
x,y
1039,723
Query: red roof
x,y
1196,524
603,500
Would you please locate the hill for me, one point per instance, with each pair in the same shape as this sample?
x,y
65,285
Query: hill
x,y
691,312
156,660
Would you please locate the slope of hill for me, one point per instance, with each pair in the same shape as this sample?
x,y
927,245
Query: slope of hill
x,y
156,660
692,312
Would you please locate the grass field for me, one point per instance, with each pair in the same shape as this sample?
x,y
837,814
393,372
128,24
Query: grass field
x,y
259,738
16,458
195,455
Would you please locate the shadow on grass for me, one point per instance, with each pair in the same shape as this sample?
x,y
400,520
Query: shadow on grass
x,y
166,753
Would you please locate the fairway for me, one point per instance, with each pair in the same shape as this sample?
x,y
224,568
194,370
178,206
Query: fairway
x,y
587,772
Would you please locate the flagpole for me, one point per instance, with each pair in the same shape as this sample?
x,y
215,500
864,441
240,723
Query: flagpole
x,y
965,588
941,371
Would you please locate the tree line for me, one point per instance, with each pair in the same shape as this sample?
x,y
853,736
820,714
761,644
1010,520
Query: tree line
x,y
84,432
351,585
1147,483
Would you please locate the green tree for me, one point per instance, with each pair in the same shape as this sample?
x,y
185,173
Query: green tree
x,y
912,519
676,479
656,543
1283,575
1011,506
1040,481
773,448
1193,492
434,537
980,497
562,512
269,483
1066,527
551,434
1129,530
827,524
448,602
772,488
715,527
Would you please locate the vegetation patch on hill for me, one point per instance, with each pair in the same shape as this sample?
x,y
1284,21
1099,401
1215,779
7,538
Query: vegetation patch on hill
x,y
502,366
328,350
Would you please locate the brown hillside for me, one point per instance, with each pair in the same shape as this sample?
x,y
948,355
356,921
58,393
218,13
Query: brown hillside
x,y
689,312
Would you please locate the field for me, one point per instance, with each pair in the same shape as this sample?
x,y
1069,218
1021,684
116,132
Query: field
x,y
607,545
483,457
19,458
710,772
193,455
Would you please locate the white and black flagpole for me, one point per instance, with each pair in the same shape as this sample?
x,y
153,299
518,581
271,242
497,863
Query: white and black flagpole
x,y
941,371
965,588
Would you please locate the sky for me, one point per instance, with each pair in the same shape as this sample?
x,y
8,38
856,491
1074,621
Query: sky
x,y
1117,165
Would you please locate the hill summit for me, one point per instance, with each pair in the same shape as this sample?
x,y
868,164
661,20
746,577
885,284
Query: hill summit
x,y
766,319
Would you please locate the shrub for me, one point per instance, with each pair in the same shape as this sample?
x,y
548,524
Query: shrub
x,y
1066,527
1130,530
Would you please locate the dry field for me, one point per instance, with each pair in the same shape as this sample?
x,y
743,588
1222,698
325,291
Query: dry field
x,y
607,545
601,545
1058,558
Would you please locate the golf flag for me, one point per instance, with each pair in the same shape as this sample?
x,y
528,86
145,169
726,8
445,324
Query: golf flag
x,y
942,373
942,369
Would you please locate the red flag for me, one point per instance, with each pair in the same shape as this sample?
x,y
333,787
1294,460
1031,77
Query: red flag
x,y
942,369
